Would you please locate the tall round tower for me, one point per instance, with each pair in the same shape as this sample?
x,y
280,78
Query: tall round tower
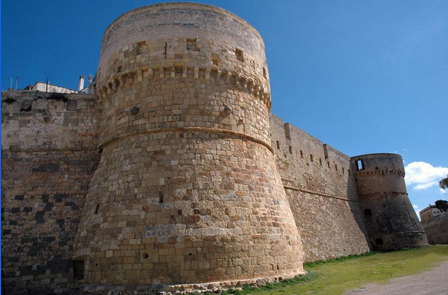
x,y
389,216
187,189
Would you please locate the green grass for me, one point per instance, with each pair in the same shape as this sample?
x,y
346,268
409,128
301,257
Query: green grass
x,y
339,275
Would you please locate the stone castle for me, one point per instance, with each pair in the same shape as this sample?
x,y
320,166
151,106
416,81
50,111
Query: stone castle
x,y
176,175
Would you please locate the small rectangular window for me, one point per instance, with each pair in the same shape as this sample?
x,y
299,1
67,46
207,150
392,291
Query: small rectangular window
x,y
278,144
311,158
336,167
367,212
328,163
290,149
301,154
348,171
343,171
360,165
320,161
264,73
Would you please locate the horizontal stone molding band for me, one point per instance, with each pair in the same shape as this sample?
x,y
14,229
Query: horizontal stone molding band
x,y
381,172
385,194
170,71
316,193
190,129
87,150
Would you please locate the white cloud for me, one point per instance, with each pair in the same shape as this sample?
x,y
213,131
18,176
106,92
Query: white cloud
x,y
415,206
421,175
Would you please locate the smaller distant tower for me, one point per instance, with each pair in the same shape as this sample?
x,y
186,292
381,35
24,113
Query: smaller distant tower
x,y
390,219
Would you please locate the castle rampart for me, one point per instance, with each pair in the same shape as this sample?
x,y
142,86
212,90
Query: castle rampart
x,y
48,157
176,175
321,192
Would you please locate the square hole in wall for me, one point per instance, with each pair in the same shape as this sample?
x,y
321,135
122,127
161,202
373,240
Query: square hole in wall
x,y
367,212
192,45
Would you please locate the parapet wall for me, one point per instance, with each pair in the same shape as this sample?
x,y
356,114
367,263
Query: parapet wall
x,y
321,192
48,156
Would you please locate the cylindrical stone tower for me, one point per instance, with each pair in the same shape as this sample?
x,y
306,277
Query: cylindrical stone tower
x,y
389,216
187,189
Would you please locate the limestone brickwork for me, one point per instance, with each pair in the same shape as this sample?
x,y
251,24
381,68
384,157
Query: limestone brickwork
x,y
186,190
436,229
49,153
321,192
388,214
176,176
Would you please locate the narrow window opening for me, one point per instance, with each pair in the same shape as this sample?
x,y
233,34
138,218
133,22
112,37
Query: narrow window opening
x,y
166,50
343,170
320,161
290,149
348,171
328,163
264,73
239,54
311,158
278,144
97,208
360,165
367,212
145,255
192,45
78,270
301,154
179,212
160,197
336,167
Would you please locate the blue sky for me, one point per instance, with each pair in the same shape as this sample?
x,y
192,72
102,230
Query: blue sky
x,y
363,76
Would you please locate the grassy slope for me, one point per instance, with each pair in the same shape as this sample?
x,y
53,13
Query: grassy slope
x,y
340,275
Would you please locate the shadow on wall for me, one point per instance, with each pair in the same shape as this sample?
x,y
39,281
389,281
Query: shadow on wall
x,y
356,209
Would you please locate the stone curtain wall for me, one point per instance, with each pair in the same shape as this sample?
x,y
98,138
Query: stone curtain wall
x,y
48,156
186,191
436,229
321,192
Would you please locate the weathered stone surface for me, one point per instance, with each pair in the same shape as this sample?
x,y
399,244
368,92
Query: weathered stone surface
x,y
388,214
186,190
321,192
437,229
174,178
46,169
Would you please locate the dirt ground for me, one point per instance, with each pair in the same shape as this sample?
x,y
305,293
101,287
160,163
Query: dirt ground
x,y
432,282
